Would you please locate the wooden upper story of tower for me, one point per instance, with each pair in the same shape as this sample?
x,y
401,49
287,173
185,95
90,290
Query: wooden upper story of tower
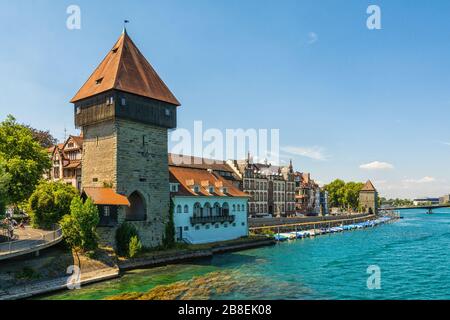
x,y
125,85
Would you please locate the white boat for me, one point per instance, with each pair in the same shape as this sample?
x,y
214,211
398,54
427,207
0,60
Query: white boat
x,y
290,236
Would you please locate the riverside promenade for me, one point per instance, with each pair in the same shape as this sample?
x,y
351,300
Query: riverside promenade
x,y
261,225
29,240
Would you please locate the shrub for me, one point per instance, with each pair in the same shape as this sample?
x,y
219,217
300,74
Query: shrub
x,y
50,202
2,209
135,247
124,234
79,228
169,234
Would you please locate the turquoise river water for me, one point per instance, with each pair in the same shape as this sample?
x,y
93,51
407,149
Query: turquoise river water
x,y
412,254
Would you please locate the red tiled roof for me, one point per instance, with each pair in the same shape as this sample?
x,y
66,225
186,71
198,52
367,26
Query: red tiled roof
x,y
78,140
106,196
125,68
188,177
73,164
368,186
178,160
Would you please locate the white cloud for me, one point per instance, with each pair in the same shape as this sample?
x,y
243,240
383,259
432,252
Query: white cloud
x,y
426,179
377,165
312,37
316,153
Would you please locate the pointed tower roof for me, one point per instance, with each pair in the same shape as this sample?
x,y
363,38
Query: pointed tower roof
x,y
368,186
125,68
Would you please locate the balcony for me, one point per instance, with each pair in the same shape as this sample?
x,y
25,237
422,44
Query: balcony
x,y
212,219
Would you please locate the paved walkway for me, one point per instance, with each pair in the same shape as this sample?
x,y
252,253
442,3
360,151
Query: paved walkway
x,y
274,222
29,240
29,290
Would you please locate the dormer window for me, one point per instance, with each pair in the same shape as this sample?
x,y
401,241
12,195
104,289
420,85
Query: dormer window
x,y
98,81
211,189
196,189
224,190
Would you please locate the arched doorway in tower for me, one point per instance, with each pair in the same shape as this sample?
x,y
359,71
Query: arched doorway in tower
x,y
137,209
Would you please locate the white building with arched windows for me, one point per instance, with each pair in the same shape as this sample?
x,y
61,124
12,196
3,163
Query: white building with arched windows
x,y
207,207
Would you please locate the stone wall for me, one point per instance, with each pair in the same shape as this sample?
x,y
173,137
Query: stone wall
x,y
142,167
99,155
146,230
130,157
368,200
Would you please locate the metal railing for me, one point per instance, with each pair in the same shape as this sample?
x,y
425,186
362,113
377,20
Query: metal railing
x,y
212,219
32,244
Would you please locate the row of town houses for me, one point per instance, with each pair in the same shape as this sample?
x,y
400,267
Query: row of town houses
x,y
273,191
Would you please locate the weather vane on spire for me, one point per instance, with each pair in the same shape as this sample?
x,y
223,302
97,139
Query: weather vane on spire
x,y
125,25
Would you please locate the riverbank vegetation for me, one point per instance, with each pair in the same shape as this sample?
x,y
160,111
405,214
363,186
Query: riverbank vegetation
x,y
344,195
79,227
50,202
169,232
396,202
127,241
23,161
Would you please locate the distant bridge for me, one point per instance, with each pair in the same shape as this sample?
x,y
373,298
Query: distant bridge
x,y
428,208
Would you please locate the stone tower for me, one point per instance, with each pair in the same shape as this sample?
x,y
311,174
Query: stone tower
x,y
368,198
125,110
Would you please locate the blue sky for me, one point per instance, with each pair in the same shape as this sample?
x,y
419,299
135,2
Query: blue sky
x,y
342,96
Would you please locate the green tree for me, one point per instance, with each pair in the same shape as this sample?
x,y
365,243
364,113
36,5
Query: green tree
x,y
23,158
4,180
169,234
44,138
351,194
79,228
124,234
72,235
135,247
88,218
50,202
336,193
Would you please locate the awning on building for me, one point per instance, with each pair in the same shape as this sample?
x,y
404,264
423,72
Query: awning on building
x,y
106,196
